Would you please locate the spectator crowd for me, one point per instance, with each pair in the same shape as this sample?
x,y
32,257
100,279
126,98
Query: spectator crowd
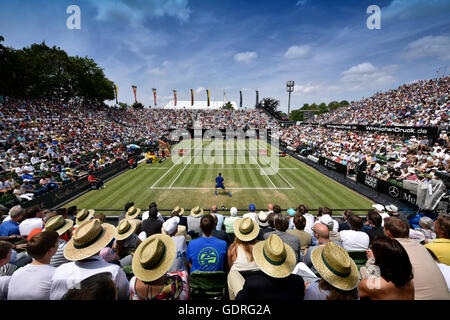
x,y
269,255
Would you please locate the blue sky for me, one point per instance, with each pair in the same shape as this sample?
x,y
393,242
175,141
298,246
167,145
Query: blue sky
x,y
228,45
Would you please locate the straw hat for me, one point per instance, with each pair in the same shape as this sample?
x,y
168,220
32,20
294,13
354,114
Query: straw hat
x,y
179,211
132,212
83,216
88,239
262,219
58,224
246,229
274,257
335,266
125,229
196,212
154,257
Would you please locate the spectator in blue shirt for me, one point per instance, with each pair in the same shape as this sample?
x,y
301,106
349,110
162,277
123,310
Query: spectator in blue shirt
x,y
207,253
11,227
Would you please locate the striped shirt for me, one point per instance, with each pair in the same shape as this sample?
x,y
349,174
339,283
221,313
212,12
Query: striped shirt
x,y
8,269
58,258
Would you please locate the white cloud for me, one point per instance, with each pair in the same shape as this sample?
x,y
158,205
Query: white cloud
x,y
368,75
306,89
298,52
409,9
430,46
245,57
138,10
301,3
200,89
156,72
166,63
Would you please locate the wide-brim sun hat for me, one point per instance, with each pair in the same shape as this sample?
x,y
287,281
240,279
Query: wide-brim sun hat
x,y
154,257
125,228
132,213
262,219
246,229
83,216
177,210
335,266
88,239
274,257
196,212
58,224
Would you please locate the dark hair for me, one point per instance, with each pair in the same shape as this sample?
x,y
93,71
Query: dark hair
x,y
153,204
101,217
32,211
393,260
207,224
280,222
5,248
338,294
72,211
299,221
276,209
324,210
61,212
270,218
220,174
153,212
216,220
100,286
302,209
443,223
347,213
128,205
41,243
397,227
374,218
355,222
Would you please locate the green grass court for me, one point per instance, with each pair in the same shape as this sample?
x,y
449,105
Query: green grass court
x,y
251,174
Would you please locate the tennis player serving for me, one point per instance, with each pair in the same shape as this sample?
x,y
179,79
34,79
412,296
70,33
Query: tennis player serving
x,y
219,184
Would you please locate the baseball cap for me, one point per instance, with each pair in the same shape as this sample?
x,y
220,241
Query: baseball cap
x,y
251,207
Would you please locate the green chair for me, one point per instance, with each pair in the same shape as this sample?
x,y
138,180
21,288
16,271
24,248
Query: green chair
x,y
359,256
207,285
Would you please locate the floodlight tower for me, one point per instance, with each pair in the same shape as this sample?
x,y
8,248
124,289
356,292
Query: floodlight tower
x,y
289,89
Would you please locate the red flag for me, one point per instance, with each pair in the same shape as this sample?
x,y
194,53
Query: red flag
x,y
154,94
175,96
134,90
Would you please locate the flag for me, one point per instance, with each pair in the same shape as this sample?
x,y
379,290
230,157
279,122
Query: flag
x,y
257,97
192,97
154,95
209,101
240,101
175,97
134,90
116,90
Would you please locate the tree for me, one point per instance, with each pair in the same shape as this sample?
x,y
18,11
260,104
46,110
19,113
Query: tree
x,y
270,105
333,105
137,105
227,106
296,115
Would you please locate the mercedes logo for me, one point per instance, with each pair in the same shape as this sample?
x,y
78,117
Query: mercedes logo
x,y
394,192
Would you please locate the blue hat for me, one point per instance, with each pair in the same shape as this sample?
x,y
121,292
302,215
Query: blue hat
x,y
251,207
291,212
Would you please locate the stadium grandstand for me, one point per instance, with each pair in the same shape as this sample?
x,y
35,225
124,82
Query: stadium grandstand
x,y
220,201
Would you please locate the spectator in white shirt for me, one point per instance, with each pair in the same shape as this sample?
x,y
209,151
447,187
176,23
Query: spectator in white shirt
x,y
251,214
355,239
324,216
83,250
32,220
32,282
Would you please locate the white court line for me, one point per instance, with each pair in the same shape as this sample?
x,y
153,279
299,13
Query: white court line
x,y
173,166
261,169
182,171
198,188
206,168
